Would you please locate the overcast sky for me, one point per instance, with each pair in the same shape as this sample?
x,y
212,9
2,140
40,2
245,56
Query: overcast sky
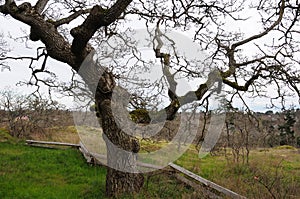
x,y
19,69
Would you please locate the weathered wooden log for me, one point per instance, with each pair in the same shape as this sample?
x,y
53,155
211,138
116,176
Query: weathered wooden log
x,y
203,190
34,142
206,182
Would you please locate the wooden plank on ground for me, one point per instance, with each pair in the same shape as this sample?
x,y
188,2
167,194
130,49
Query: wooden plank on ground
x,y
150,166
89,158
32,142
204,191
141,164
206,182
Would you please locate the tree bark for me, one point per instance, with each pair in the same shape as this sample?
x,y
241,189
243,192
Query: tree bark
x,y
122,174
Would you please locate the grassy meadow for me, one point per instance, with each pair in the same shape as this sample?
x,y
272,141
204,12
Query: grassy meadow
x,y
270,173
31,172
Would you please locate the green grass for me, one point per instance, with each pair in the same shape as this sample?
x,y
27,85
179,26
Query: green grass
x,y
278,168
162,185
31,172
5,136
28,172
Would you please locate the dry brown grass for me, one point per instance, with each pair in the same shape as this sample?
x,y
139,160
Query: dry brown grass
x,y
66,134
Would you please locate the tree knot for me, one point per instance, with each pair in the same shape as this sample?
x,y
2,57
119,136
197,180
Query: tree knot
x,y
25,7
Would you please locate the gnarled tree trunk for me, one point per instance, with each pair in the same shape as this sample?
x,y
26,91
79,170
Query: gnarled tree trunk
x,y
122,174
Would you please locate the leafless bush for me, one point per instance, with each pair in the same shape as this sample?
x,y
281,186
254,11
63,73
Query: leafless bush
x,y
25,116
274,182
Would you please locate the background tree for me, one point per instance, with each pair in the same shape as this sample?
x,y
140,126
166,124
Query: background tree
x,y
272,63
238,127
270,137
287,133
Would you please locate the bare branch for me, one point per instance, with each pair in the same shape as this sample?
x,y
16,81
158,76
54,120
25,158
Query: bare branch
x,y
165,59
40,6
99,17
241,88
277,22
296,18
56,45
71,17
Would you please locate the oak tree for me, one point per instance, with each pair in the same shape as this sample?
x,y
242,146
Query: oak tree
x,y
68,29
